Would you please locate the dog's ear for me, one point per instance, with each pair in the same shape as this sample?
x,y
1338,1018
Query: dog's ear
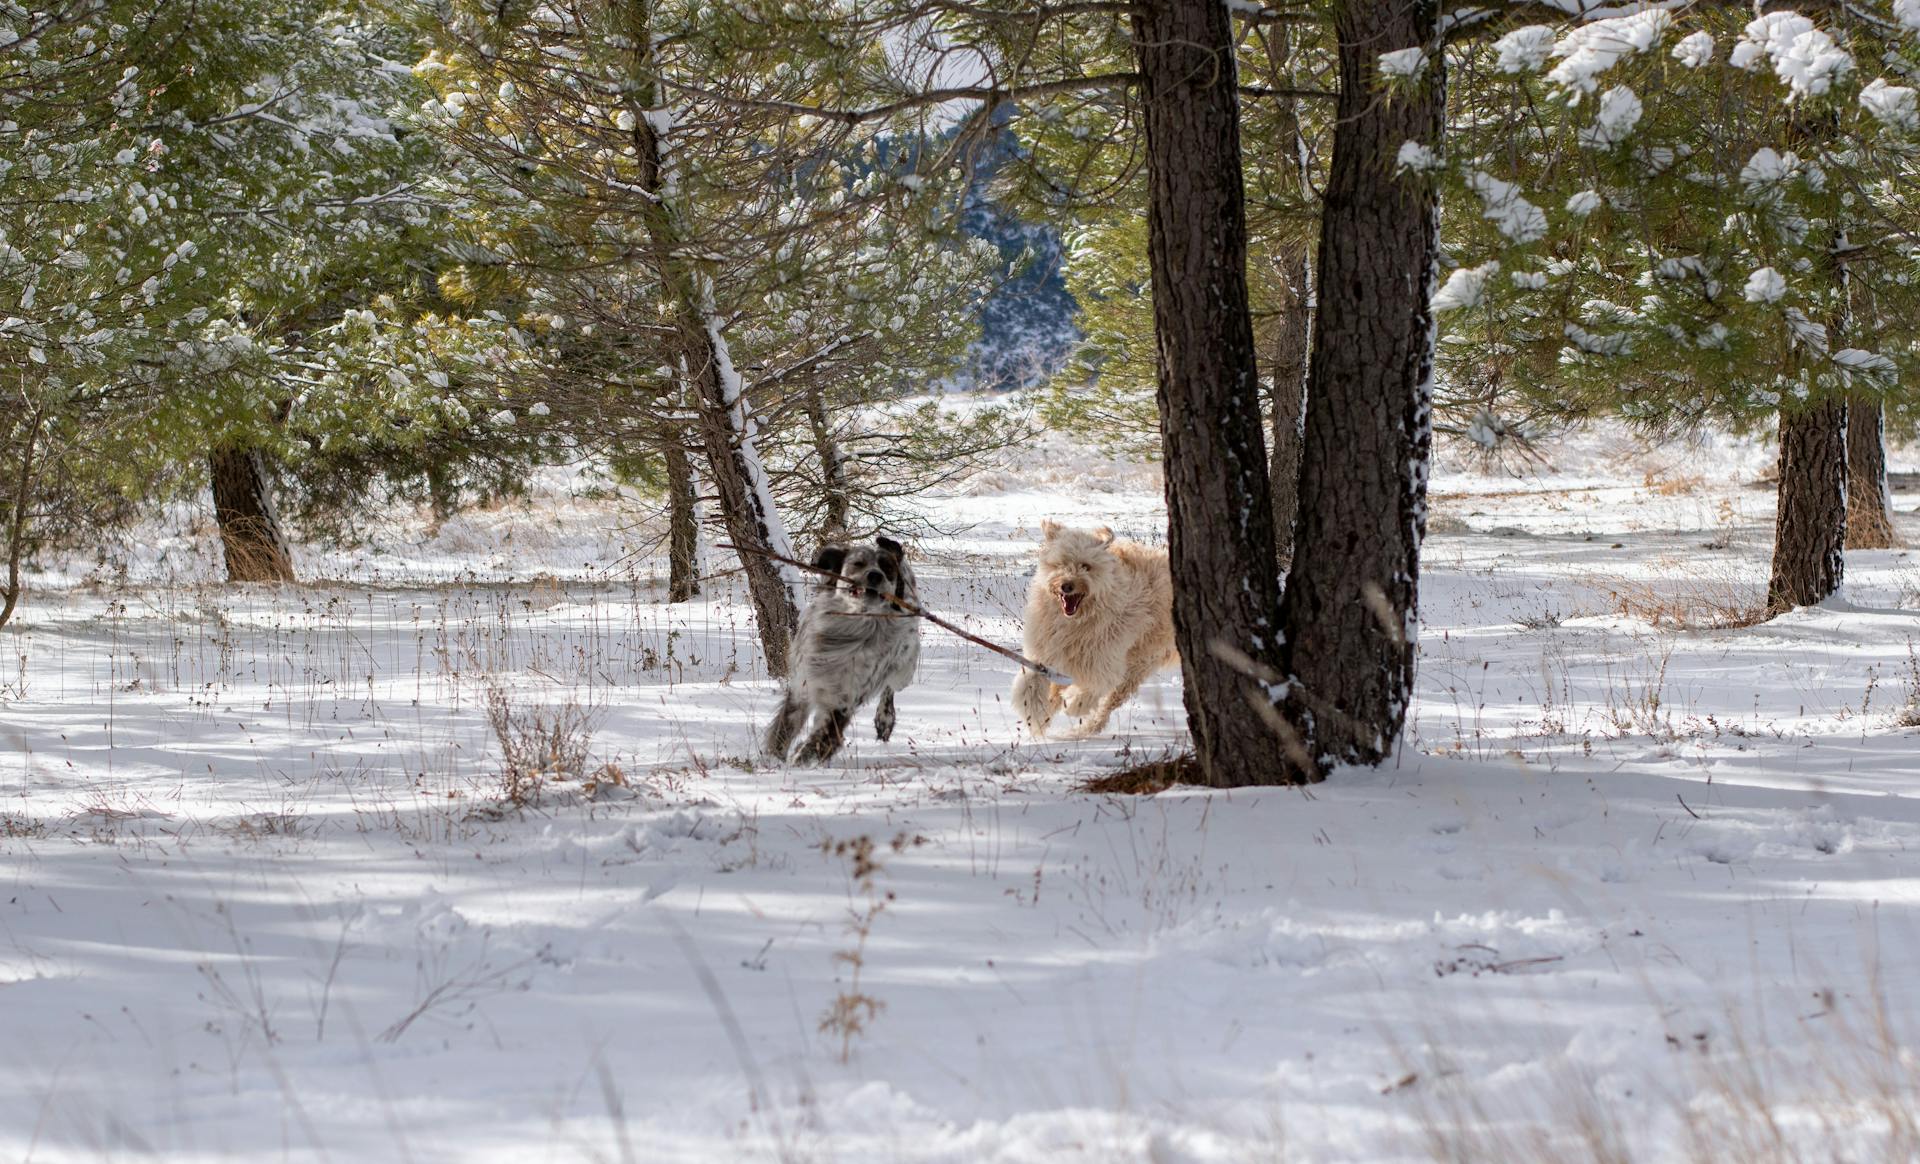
x,y
1049,529
1105,534
829,558
892,553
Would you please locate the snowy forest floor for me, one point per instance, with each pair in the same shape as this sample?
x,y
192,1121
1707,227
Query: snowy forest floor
x,y
1634,888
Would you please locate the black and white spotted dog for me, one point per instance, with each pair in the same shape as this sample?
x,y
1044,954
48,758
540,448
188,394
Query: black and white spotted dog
x,y
852,644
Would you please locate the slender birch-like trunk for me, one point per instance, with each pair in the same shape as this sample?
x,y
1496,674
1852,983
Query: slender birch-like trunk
x,y
728,428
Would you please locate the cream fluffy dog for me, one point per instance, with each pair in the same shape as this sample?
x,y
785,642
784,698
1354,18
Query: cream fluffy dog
x,y
1102,612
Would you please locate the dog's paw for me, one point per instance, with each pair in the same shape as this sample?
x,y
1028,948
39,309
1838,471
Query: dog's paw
x,y
819,749
1086,728
1081,701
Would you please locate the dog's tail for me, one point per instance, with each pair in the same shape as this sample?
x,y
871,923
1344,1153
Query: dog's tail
x,y
1035,698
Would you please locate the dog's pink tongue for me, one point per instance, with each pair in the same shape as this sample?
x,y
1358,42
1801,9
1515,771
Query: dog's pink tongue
x,y
1070,603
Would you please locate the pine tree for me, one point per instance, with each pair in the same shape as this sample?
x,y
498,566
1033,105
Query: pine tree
x,y
1696,255
1219,508
737,274
97,277
272,131
1348,617
280,127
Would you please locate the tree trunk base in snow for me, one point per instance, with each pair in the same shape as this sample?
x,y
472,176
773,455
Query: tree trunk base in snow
x,y
746,508
250,535
1869,527
1347,619
1219,501
1811,520
1869,504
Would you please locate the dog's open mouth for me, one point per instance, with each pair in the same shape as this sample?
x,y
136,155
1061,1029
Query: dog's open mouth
x,y
1070,601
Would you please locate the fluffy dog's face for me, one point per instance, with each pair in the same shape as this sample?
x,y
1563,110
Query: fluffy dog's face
x,y
871,573
1077,565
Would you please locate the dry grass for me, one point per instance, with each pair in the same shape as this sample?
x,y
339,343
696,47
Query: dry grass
x,y
1853,1096
853,1009
1669,483
20,826
1691,603
1909,714
264,824
1146,779
542,745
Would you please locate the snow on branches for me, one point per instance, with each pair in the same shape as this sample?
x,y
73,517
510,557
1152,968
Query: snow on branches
x,y
1803,56
1590,50
1517,220
1731,263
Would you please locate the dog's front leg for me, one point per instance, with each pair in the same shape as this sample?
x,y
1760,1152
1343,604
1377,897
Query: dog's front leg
x,y
827,738
1137,673
1035,698
786,722
1082,699
883,716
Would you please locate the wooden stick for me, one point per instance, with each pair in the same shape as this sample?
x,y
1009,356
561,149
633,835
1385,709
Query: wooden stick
x,y
1057,678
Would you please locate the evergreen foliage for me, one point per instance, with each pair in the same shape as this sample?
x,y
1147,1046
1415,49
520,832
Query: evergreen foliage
x,y
1675,220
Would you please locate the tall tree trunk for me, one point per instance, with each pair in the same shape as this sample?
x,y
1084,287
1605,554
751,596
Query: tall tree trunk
x,y
1809,526
1811,515
250,534
1349,615
443,498
1869,504
833,468
683,524
728,428
17,510
1290,347
740,481
1292,338
1219,505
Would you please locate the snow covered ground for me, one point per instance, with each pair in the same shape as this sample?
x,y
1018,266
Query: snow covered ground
x,y
1631,890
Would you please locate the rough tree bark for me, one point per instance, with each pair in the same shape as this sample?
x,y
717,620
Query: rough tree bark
x,y
728,429
1219,505
1869,503
1292,339
16,512
1290,348
254,544
740,482
1811,515
833,468
683,524
443,499
1809,527
1348,618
